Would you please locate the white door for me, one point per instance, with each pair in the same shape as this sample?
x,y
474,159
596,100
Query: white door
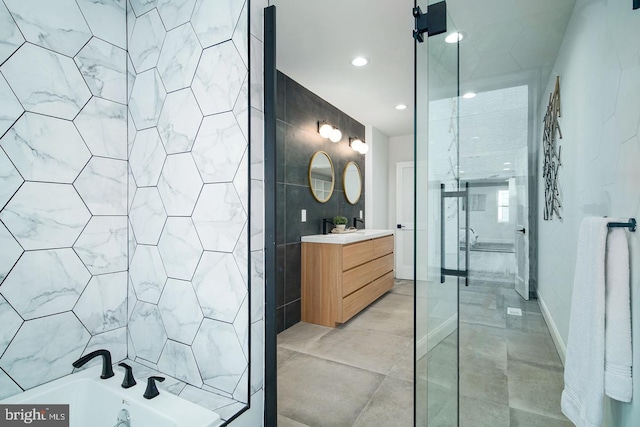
x,y
518,204
404,220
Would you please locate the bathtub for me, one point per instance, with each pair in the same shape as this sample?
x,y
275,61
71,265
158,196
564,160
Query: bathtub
x,y
95,402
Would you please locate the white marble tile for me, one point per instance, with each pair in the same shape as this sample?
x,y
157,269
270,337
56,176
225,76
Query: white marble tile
x,y
177,360
180,248
45,282
219,286
257,356
7,386
175,12
257,285
241,181
241,393
102,246
179,184
215,20
219,217
10,179
104,68
103,186
106,19
142,372
45,148
131,350
256,17
10,108
11,322
241,109
241,254
131,298
46,82
143,6
218,148
131,77
205,399
146,41
132,243
147,331
147,98
31,365
257,144
257,74
217,391
147,157
219,355
147,273
10,36
147,216
103,304
58,25
45,216
218,78
257,214
103,126
115,341
179,58
10,251
241,36
241,326
131,132
179,121
180,311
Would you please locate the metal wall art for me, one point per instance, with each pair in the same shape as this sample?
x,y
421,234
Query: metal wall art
x,y
552,155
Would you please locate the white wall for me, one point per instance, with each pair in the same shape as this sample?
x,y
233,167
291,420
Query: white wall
x,y
599,67
376,179
400,150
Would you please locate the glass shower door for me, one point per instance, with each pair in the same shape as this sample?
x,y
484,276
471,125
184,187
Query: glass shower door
x,y
438,202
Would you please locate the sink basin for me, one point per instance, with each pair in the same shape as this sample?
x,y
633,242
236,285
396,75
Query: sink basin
x,y
345,238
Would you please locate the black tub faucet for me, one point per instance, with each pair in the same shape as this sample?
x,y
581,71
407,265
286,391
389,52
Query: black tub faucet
x,y
356,221
152,390
107,370
326,221
128,380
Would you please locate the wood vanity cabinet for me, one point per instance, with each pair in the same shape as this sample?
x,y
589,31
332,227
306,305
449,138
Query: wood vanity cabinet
x,y
338,281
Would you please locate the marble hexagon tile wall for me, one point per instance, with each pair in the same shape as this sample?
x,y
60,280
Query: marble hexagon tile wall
x,y
189,196
63,173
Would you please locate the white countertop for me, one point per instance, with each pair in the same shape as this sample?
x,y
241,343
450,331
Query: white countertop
x,y
346,238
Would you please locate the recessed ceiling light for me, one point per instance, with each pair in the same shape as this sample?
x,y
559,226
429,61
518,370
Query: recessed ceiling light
x,y
506,169
461,171
507,163
360,61
401,107
469,95
454,37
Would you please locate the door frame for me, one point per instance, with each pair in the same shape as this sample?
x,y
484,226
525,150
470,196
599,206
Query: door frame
x,y
406,271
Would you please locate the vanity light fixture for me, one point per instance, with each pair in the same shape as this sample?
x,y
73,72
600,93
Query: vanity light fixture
x,y
359,61
325,129
469,95
359,145
336,135
401,107
454,37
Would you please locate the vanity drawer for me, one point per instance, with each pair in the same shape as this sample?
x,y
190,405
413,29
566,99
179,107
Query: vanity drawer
x,y
354,303
382,246
356,278
356,254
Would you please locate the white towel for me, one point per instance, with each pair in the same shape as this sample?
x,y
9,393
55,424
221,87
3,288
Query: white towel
x,y
584,374
618,383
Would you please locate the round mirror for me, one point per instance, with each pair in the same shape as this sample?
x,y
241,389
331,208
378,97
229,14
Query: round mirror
x,y
321,176
352,182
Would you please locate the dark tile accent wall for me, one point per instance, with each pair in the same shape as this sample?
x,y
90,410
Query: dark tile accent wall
x,y
298,113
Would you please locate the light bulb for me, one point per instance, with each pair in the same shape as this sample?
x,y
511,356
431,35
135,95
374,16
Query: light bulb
x,y
360,61
336,135
454,37
325,130
364,148
356,144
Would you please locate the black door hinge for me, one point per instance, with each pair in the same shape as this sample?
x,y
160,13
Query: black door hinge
x,y
433,22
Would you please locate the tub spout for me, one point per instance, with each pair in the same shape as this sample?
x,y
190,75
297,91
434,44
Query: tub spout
x,y
107,370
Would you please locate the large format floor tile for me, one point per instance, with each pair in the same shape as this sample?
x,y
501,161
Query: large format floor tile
x,y
391,404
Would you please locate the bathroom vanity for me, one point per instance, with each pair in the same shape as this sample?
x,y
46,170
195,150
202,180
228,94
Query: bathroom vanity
x,y
343,273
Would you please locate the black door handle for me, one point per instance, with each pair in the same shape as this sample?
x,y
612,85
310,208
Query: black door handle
x,y
400,226
522,230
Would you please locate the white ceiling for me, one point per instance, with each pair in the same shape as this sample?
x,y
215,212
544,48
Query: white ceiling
x,y
507,43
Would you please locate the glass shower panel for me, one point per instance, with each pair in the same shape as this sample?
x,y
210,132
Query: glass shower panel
x,y
437,227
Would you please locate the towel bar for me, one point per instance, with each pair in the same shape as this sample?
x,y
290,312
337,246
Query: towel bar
x,y
631,225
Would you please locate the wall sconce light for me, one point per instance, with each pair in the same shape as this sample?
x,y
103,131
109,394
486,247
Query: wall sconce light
x,y
327,131
358,145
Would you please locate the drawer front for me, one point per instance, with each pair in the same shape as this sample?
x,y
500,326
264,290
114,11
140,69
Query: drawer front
x,y
356,254
382,246
354,303
357,277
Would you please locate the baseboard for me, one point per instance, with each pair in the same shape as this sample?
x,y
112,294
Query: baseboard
x,y
425,344
557,339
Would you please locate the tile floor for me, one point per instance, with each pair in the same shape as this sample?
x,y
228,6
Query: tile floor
x,y
361,373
